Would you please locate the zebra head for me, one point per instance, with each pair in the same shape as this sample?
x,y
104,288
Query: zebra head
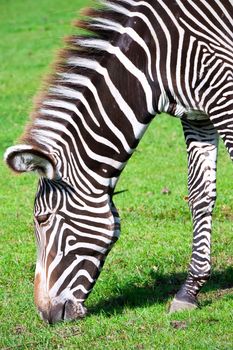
x,y
73,238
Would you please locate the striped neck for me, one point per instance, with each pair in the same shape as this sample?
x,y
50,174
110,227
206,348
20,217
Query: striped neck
x,y
86,121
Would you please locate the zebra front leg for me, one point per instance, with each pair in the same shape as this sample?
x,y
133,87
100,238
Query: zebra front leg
x,y
202,142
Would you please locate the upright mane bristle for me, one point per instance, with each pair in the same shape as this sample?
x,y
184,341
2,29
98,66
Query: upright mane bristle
x,y
88,12
72,48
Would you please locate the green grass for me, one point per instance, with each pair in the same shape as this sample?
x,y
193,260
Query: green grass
x,y
128,307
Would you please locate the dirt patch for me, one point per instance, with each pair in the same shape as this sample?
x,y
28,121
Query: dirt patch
x,y
19,329
179,324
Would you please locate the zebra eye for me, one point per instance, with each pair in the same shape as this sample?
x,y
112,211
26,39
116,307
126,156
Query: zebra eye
x,y
41,219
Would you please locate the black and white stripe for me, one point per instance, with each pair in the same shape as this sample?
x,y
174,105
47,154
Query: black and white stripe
x,y
144,58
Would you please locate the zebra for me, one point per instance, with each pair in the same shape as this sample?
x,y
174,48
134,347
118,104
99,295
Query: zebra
x,y
140,58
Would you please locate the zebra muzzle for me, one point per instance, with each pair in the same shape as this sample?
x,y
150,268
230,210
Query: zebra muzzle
x,y
68,311
74,310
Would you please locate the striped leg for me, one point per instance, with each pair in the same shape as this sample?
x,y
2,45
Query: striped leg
x,y
202,142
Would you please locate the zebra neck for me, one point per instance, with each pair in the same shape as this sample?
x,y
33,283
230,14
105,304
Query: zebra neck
x,y
89,127
90,147
98,106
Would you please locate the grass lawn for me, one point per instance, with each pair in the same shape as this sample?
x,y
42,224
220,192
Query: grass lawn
x,y
128,306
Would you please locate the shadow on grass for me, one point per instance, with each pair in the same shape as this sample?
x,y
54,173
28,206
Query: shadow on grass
x,y
163,288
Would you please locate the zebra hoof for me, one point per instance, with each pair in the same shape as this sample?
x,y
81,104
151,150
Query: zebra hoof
x,y
180,305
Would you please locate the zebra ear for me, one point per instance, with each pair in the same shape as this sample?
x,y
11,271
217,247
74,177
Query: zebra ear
x,y
26,158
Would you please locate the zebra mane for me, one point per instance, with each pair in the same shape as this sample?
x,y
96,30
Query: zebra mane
x,y
100,26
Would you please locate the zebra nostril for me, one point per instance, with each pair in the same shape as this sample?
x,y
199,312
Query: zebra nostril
x,y
45,316
73,310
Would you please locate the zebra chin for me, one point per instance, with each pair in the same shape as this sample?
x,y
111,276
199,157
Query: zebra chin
x,y
68,311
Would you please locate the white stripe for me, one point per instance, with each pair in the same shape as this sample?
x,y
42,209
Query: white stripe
x,y
82,245
80,287
96,236
188,71
98,230
81,272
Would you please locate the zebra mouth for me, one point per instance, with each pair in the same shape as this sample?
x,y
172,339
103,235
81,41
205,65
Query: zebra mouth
x,y
68,311
73,310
